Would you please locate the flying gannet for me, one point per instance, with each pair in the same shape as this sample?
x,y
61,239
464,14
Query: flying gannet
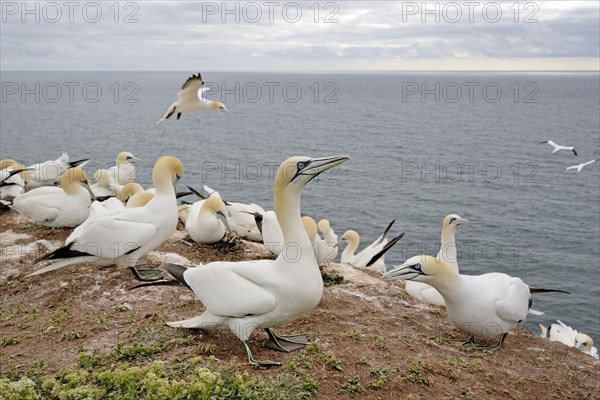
x,y
570,337
189,98
48,173
244,296
579,167
207,221
55,207
559,147
485,305
125,168
122,238
422,291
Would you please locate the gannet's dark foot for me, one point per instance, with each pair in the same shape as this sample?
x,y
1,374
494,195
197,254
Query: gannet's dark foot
x,y
285,343
146,275
492,347
469,340
256,363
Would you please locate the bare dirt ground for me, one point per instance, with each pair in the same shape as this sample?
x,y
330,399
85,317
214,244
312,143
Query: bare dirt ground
x,y
373,341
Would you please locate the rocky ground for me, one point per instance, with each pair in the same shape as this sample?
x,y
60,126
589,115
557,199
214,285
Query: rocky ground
x,y
76,329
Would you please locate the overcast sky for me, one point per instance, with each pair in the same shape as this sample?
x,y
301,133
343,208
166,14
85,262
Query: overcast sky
x,y
313,35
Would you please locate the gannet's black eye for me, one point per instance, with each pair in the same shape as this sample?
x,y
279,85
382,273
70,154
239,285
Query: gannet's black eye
x,y
452,220
301,165
417,267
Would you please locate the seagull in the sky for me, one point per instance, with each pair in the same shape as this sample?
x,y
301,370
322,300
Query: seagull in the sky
x,y
189,98
559,147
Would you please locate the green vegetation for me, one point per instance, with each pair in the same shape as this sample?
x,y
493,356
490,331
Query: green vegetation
x,y
96,376
332,278
353,385
416,374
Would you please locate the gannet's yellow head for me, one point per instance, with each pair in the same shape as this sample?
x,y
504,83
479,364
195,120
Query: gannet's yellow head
x,y
129,190
72,178
167,169
310,226
139,199
583,342
420,268
217,206
323,225
453,220
8,163
217,105
295,172
125,157
102,177
351,236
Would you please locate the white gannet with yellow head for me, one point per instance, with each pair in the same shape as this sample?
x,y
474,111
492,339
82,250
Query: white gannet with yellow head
x,y
422,291
372,254
207,221
244,296
487,305
104,186
189,98
570,337
12,180
55,207
122,238
330,249
125,168
48,173
318,244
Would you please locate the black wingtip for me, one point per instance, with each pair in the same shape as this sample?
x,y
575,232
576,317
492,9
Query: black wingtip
x,y
61,253
177,272
183,194
196,192
387,246
542,290
388,228
76,163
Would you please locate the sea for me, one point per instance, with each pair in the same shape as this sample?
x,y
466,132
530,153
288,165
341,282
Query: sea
x,y
422,145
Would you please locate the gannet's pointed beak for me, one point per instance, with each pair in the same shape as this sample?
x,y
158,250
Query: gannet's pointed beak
x,y
221,217
404,272
461,221
89,189
136,159
317,166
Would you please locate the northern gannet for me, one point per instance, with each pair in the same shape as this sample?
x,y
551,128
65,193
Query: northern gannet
x,y
52,206
485,305
331,239
12,184
123,237
207,221
242,220
189,98
422,291
104,186
579,167
318,244
125,168
372,254
559,147
48,173
569,337
244,296
271,232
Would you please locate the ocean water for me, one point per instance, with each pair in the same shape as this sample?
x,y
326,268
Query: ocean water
x,y
422,145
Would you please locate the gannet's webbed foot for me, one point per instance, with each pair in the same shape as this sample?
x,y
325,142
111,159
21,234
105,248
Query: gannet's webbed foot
x,y
469,340
493,347
146,275
285,343
256,363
